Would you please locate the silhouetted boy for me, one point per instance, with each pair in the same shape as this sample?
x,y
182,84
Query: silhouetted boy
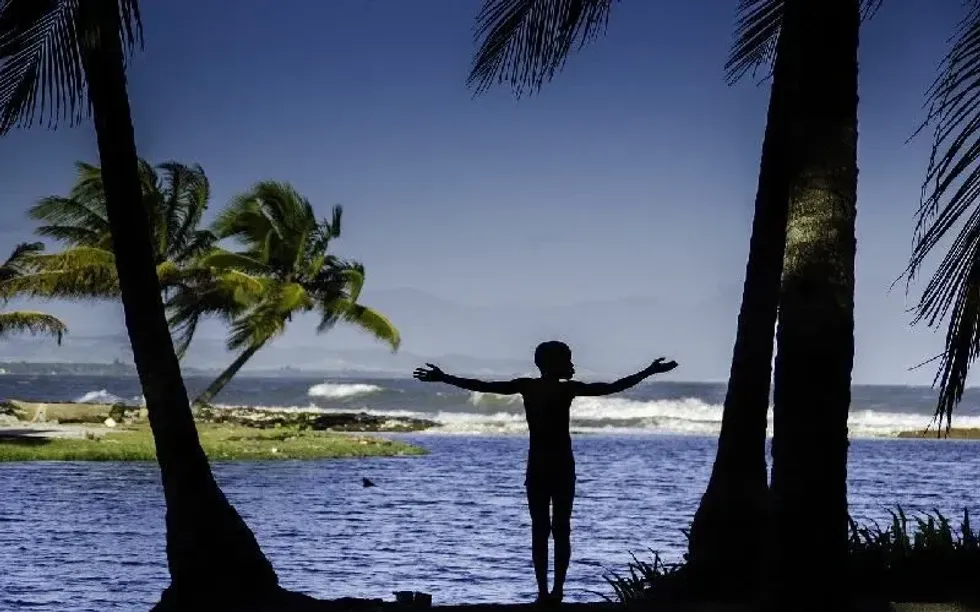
x,y
550,477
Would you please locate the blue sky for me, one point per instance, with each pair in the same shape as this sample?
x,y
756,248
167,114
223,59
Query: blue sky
x,y
632,174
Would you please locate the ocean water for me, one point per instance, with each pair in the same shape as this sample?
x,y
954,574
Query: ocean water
x,y
89,536
651,407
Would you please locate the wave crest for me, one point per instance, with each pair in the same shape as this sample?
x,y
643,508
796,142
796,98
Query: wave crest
x,y
690,416
341,390
98,397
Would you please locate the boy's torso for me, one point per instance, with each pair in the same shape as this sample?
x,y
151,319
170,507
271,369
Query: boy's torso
x,y
547,407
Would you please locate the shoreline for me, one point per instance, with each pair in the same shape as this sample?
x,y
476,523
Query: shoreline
x,y
67,431
956,433
58,416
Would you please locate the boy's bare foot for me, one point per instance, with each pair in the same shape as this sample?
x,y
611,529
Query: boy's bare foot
x,y
544,599
556,596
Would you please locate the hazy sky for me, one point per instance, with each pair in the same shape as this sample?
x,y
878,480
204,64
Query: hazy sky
x,y
632,174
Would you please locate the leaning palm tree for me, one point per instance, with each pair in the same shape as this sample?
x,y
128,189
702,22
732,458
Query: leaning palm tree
x,y
67,60
26,321
285,250
950,201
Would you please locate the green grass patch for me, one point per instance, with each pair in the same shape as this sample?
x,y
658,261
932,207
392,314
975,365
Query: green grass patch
x,y
220,442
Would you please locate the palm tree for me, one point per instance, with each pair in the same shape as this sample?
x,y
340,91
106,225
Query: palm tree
x,y
68,58
26,321
285,251
949,199
175,196
815,334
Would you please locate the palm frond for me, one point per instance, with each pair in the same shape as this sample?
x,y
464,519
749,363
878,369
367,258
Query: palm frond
x,y
230,260
757,27
195,245
274,223
338,279
41,73
289,298
331,229
184,198
76,273
526,42
256,328
71,235
324,232
949,198
198,293
31,322
58,212
244,220
364,318
18,259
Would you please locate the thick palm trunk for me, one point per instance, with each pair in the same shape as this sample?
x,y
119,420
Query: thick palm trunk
x,y
725,558
815,337
225,377
210,550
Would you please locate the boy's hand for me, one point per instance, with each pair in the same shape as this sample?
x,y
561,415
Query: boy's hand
x,y
661,365
432,374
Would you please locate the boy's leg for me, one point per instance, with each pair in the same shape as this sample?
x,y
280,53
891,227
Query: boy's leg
x,y
538,502
564,498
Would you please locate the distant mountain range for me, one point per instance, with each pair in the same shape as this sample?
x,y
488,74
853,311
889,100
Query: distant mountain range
x,y
609,337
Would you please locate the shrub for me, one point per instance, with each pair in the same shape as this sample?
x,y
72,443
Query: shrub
x,y
118,411
917,559
923,559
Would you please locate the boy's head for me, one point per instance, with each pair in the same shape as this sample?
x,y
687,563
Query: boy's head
x,y
554,359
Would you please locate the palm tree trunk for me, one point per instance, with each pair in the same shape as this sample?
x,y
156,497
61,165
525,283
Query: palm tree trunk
x,y
815,337
225,377
724,555
211,552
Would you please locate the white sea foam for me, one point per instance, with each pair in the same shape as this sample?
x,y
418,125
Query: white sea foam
x,y
98,397
489,414
341,390
690,416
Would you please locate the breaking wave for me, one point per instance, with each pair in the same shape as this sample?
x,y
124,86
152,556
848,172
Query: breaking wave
x,y
494,414
490,414
98,397
341,390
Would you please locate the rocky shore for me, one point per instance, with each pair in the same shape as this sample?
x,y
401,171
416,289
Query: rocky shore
x,y
243,416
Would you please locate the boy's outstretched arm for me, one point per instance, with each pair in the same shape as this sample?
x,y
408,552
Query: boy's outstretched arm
x,y
503,387
594,389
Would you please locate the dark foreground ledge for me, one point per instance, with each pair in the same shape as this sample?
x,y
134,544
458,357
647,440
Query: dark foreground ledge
x,y
296,602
